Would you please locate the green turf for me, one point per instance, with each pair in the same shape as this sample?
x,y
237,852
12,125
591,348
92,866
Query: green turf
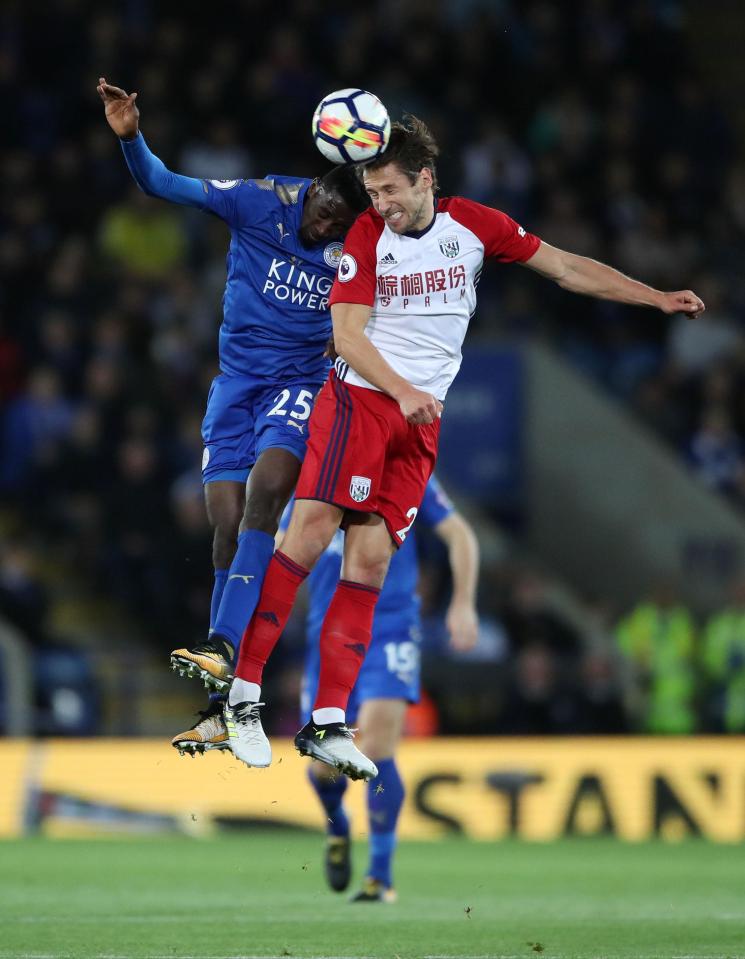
x,y
263,894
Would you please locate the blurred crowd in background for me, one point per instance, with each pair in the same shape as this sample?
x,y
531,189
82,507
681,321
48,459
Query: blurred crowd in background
x,y
588,121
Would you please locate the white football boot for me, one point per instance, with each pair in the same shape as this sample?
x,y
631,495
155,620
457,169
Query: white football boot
x,y
246,736
333,744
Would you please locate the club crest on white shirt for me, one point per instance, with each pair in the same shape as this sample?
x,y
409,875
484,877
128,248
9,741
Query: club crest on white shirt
x,y
359,488
449,246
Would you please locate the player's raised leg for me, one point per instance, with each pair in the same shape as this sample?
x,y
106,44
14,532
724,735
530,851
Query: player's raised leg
x,y
269,488
311,529
345,637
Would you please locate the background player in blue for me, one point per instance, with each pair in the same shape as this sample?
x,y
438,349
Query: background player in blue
x,y
284,249
387,683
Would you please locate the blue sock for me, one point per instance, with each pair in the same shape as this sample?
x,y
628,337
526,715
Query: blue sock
x,y
243,585
385,796
331,793
221,578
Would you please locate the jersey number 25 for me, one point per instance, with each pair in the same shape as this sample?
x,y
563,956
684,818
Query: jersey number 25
x,y
301,407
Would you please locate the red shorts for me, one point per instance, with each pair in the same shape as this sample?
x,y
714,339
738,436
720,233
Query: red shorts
x,y
363,455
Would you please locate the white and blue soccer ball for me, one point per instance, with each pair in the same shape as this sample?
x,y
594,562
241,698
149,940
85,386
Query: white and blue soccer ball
x,y
351,125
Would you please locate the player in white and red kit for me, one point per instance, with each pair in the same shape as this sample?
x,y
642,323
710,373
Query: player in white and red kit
x,y
404,293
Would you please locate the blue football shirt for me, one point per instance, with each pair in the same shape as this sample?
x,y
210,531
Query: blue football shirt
x,y
276,318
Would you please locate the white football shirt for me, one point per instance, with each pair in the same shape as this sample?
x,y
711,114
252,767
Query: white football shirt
x,y
422,286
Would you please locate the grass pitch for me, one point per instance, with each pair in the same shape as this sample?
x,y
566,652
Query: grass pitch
x,y
263,894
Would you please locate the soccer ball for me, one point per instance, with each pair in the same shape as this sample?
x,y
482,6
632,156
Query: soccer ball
x,y
351,125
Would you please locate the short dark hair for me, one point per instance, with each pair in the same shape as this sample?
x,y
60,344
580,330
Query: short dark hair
x,y
344,182
411,147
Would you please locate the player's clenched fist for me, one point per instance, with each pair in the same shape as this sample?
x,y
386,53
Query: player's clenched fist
x,y
419,407
682,301
121,112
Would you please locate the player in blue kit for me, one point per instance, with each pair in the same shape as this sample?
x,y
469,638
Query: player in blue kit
x,y
387,683
284,249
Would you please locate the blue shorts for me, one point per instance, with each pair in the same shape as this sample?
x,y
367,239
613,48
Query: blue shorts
x,y
245,417
391,670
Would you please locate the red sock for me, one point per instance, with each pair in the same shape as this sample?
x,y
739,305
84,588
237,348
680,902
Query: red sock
x,y
345,636
281,583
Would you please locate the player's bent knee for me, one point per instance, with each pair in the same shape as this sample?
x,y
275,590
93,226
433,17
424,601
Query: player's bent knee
x,y
307,549
265,504
263,515
367,553
271,494
310,533
370,572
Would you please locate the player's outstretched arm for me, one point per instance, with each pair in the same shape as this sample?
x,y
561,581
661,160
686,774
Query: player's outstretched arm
x,y
349,321
462,619
150,173
580,274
